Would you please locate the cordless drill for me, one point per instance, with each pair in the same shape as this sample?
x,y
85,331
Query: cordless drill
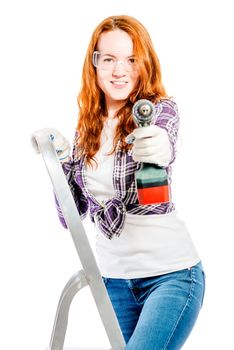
x,y
151,179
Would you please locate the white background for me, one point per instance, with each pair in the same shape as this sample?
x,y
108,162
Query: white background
x,y
43,44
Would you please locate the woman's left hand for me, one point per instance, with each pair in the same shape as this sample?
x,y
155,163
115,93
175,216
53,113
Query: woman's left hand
x,y
151,145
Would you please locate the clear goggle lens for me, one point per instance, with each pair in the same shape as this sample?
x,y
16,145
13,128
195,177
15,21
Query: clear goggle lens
x,y
109,62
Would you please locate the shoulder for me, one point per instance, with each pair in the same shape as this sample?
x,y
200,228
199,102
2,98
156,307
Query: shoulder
x,y
166,110
166,113
167,105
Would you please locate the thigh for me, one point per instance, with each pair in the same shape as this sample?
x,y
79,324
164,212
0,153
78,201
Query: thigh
x,y
170,310
124,303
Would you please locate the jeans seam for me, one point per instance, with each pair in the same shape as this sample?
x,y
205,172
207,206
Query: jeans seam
x,y
132,292
182,312
204,287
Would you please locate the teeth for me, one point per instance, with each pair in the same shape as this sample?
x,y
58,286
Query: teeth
x,y
118,82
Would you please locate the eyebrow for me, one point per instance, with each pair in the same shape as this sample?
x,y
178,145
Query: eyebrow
x,y
111,55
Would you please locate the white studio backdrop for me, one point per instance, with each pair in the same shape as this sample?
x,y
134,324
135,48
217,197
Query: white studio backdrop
x,y
43,44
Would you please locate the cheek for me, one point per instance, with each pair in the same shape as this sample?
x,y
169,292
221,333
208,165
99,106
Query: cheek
x,y
135,78
101,78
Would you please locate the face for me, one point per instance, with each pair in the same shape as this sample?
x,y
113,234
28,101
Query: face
x,y
117,75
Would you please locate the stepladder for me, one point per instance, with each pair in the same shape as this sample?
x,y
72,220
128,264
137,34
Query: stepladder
x,y
89,276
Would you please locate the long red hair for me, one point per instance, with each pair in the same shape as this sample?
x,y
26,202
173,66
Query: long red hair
x,y
91,99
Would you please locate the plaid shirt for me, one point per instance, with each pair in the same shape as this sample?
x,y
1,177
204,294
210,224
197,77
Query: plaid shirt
x,y
110,215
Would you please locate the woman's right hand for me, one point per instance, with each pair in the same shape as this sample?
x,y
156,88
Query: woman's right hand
x,y
61,145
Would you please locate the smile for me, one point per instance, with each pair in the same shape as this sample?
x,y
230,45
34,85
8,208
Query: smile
x,y
119,84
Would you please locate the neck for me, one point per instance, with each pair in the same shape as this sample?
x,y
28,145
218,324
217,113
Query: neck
x,y
111,113
113,107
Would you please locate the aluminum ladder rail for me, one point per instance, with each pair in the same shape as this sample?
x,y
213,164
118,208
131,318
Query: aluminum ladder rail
x,y
90,275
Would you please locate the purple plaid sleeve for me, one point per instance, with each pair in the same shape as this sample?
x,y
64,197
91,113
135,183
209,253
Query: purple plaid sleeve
x,y
59,211
79,197
167,117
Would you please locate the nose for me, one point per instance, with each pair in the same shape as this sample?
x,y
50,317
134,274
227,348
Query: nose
x,y
119,69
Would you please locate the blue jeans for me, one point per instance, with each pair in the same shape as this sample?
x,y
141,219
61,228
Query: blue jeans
x,y
158,313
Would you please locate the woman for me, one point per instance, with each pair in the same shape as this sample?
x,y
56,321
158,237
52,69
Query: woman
x,y
149,264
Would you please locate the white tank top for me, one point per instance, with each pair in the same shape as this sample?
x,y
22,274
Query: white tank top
x,y
149,245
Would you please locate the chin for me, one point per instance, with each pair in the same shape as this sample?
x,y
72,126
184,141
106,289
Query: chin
x,y
120,96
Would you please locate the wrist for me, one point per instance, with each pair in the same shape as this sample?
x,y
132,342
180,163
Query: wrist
x,y
64,158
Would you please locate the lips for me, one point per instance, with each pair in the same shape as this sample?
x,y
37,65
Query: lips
x,y
118,83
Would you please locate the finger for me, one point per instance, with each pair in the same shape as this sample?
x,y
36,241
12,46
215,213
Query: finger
x,y
149,152
147,131
149,142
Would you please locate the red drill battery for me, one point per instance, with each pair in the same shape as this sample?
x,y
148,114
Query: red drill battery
x,y
152,184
